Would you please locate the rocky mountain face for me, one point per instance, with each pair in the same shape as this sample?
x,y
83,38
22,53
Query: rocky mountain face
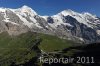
x,y
83,27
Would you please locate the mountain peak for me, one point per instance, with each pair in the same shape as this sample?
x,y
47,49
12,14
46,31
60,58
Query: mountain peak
x,y
89,15
28,9
67,12
2,9
25,6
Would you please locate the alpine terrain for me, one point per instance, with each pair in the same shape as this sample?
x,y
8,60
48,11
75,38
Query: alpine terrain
x,y
26,36
80,27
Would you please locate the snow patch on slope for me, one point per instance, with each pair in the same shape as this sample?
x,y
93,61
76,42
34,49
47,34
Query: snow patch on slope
x,y
6,19
80,17
25,21
98,32
2,9
45,17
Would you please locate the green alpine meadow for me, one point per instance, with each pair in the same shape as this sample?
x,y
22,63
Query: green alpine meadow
x,y
20,49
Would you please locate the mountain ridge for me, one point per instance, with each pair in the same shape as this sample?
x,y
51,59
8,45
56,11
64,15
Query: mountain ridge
x,y
67,24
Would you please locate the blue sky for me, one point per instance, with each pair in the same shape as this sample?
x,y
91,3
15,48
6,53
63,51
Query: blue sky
x,y
50,7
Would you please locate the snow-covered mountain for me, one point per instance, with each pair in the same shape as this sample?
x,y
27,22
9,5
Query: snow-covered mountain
x,y
67,24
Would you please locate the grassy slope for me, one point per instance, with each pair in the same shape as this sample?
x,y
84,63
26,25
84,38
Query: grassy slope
x,y
17,48
89,50
52,43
